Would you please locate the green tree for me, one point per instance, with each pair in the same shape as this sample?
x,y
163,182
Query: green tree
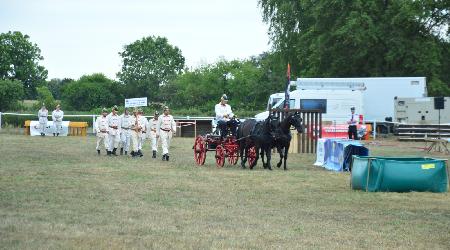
x,y
90,92
55,85
10,92
19,60
361,38
45,96
248,84
148,64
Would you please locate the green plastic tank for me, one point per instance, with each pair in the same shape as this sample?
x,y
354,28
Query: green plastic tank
x,y
394,174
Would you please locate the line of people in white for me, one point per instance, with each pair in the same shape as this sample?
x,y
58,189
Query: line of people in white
x,y
57,117
129,132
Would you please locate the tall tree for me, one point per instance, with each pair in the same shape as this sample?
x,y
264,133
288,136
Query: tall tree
x,y
148,64
361,38
19,60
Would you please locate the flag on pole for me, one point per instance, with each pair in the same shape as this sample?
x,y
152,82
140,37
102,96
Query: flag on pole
x,y
286,91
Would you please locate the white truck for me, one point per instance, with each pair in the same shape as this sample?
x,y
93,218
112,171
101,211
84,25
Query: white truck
x,y
372,97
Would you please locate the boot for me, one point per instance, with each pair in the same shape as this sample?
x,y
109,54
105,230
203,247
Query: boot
x,y
57,134
126,152
108,152
164,157
114,152
132,154
121,151
54,134
98,151
167,157
154,154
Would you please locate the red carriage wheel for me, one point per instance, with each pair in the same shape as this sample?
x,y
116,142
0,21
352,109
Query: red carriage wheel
x,y
251,156
220,156
233,154
199,150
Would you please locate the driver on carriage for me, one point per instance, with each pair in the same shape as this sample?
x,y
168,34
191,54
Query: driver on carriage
x,y
225,117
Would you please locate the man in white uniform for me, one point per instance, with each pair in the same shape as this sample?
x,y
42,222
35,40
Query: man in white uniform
x,y
114,131
135,133
125,131
143,135
101,127
43,119
165,128
224,117
153,124
57,117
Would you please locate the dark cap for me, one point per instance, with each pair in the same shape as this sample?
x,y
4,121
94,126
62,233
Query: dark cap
x,y
156,113
115,108
104,110
352,108
224,97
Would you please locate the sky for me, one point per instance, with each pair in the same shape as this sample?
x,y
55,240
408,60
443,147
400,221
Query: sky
x,y
79,37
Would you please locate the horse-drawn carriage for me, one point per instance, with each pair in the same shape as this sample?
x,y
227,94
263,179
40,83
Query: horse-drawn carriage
x,y
253,138
225,147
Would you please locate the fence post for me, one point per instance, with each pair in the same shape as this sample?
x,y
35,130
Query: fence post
x,y
93,124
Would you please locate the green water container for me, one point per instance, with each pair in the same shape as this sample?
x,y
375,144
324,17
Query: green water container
x,y
396,174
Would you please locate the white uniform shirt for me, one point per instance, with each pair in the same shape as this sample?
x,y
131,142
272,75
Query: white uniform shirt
x,y
222,110
144,123
43,116
353,119
136,123
166,123
126,121
57,115
114,121
101,124
153,125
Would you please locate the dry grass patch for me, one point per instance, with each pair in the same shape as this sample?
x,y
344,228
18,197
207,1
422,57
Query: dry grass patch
x,y
57,193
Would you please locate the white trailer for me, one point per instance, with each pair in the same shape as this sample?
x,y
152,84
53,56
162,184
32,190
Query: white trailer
x,y
372,97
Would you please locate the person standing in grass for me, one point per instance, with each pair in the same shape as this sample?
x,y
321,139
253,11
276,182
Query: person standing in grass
x,y
43,119
125,131
114,131
153,123
352,122
143,134
136,129
101,127
166,126
57,117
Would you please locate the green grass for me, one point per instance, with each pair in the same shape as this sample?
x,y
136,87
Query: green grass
x,y
57,193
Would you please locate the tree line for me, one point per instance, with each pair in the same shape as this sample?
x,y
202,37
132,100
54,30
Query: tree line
x,y
319,39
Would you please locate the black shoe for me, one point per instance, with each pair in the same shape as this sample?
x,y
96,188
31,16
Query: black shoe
x,y
114,152
108,152
164,157
98,151
154,154
126,153
140,153
167,157
57,134
132,154
54,134
121,151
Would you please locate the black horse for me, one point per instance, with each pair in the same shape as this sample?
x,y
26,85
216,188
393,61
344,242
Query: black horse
x,y
259,134
283,135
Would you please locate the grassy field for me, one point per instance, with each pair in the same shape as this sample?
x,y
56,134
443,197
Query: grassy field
x,y
57,193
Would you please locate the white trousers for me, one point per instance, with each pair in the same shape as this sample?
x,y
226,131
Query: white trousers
x,y
125,139
42,126
102,138
114,139
154,141
135,138
141,141
166,137
57,126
